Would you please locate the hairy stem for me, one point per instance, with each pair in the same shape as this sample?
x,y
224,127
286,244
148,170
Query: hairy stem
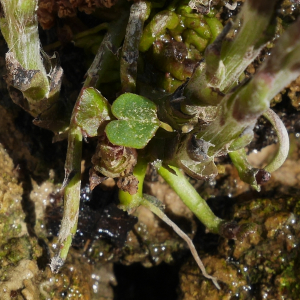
x,y
71,197
139,12
231,53
257,29
20,30
240,110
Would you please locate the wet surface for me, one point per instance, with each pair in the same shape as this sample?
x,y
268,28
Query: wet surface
x,y
263,265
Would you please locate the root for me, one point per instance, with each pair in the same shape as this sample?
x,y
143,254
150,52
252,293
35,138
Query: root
x,y
151,203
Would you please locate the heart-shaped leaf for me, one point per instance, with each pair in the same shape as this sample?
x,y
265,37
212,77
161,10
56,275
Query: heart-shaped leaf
x,y
137,121
91,111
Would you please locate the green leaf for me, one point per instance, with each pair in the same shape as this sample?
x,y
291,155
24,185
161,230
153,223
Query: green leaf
x,y
137,121
91,111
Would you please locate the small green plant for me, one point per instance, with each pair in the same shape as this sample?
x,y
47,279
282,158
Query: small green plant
x,y
212,113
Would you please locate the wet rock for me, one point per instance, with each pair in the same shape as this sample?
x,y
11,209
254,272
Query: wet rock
x,y
263,265
17,278
193,287
11,212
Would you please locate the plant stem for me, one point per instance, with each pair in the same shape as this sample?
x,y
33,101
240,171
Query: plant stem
x,y
73,161
20,30
235,113
71,197
230,54
105,56
257,29
239,157
191,198
90,31
139,12
246,171
283,140
129,202
240,110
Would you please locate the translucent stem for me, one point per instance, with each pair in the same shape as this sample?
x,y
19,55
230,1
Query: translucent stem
x,y
191,198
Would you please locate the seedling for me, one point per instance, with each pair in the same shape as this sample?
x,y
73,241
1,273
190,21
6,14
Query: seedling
x,y
212,113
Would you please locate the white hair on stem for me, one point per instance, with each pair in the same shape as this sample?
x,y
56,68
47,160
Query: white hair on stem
x,y
20,29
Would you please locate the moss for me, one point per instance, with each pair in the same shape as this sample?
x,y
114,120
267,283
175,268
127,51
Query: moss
x,y
17,249
17,277
11,213
264,261
20,248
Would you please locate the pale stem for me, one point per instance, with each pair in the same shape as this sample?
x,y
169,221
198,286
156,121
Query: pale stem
x,y
71,197
283,140
139,12
191,198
